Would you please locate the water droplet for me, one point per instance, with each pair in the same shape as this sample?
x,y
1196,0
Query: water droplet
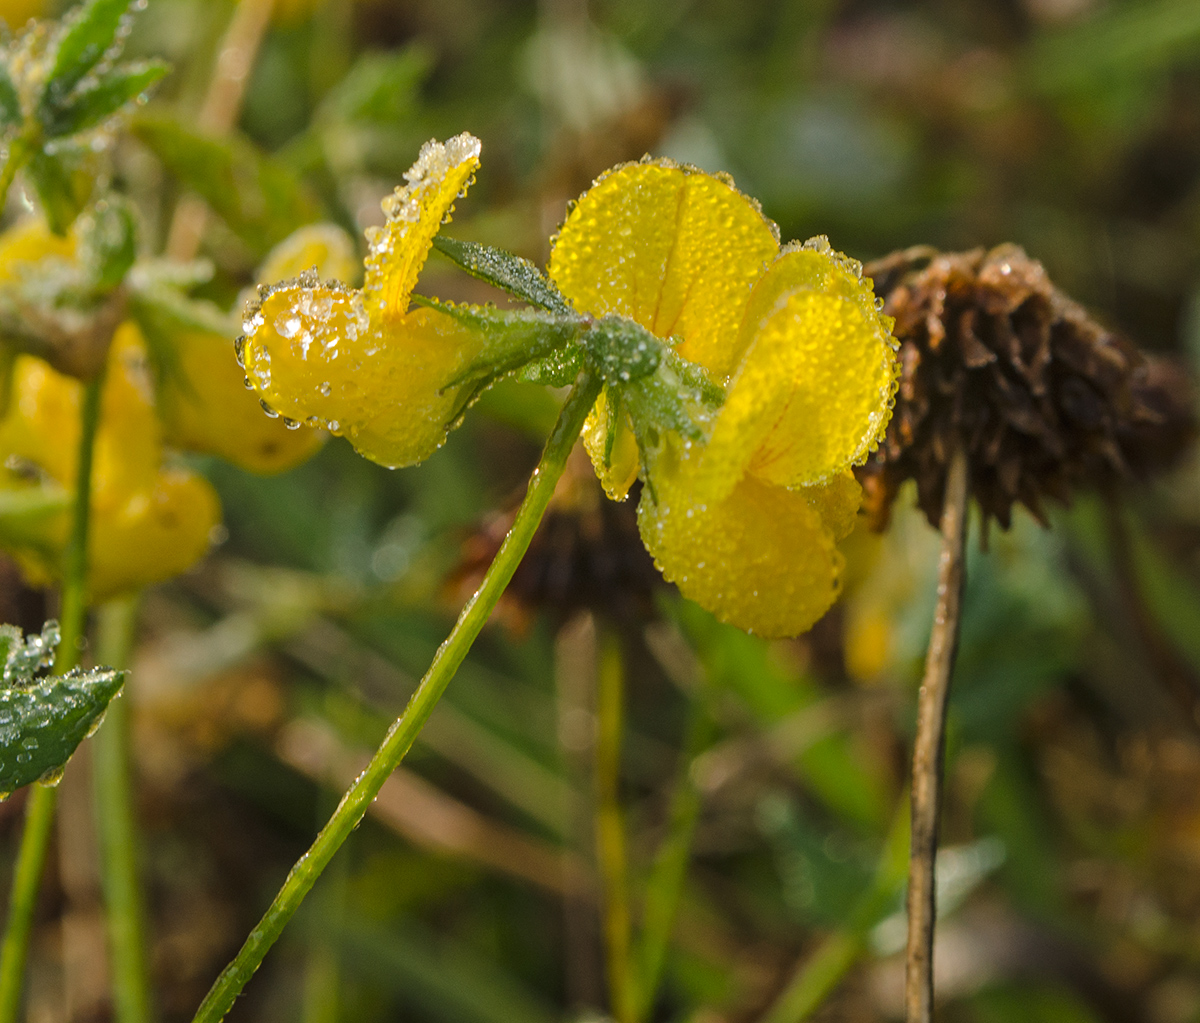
x,y
326,389
287,325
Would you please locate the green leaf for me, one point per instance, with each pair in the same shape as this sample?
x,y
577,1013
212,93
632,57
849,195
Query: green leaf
x,y
87,35
260,199
87,108
64,183
10,102
42,721
517,276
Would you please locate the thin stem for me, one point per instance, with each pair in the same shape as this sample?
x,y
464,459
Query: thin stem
x,y
611,855
403,732
664,887
39,812
929,745
222,104
118,835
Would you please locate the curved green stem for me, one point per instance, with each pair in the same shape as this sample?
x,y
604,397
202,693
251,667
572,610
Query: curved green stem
x,y
403,732
39,813
114,814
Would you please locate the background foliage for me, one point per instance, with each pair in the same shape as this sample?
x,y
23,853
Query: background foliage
x,y
1071,127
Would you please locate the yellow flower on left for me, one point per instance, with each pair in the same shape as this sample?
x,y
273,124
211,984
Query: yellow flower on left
x,y
149,520
358,362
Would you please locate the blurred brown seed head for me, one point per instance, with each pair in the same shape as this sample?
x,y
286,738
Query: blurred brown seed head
x,y
587,554
1045,400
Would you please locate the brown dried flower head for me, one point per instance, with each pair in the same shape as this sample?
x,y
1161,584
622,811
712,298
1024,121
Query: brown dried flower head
x,y
1045,400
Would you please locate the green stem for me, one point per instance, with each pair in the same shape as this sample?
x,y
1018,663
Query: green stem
x,y
664,887
611,855
355,802
824,970
39,812
114,813
19,151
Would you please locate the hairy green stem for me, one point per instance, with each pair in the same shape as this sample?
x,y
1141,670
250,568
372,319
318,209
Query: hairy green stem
x,y
403,732
39,812
611,854
116,629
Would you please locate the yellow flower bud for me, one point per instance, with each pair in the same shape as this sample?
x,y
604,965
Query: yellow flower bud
x,y
359,363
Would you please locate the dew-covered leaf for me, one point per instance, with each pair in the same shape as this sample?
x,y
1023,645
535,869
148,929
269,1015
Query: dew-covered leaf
x,y
64,183
88,34
25,656
43,722
517,276
10,102
87,108
260,199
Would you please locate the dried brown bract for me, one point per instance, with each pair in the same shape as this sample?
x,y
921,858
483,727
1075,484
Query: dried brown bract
x,y
1044,399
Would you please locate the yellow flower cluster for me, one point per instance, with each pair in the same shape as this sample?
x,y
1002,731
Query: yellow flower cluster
x,y
358,362
150,519
747,521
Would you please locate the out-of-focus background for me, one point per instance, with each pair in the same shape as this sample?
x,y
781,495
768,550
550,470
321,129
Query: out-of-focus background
x,y
1071,871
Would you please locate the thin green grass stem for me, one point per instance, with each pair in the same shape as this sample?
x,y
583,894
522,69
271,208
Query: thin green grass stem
x,y
664,887
115,633
39,811
611,852
840,952
403,732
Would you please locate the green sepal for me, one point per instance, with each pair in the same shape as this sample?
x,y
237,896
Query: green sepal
x,y
258,197
10,101
558,369
43,720
513,274
677,396
88,108
64,183
621,350
88,34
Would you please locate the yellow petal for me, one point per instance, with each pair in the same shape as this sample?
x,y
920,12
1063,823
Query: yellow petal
x,y
155,533
813,392
28,242
324,246
673,248
206,407
619,468
837,502
414,213
760,558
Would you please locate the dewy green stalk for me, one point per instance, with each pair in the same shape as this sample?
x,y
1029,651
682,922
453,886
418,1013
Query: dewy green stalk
x,y
404,731
116,630
39,813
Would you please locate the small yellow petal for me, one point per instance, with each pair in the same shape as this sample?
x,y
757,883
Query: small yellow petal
x,y
414,214
619,469
671,247
324,246
29,241
760,558
837,502
206,407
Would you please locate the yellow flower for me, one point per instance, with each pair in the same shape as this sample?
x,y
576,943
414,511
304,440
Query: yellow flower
x,y
149,520
358,362
745,522
204,404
